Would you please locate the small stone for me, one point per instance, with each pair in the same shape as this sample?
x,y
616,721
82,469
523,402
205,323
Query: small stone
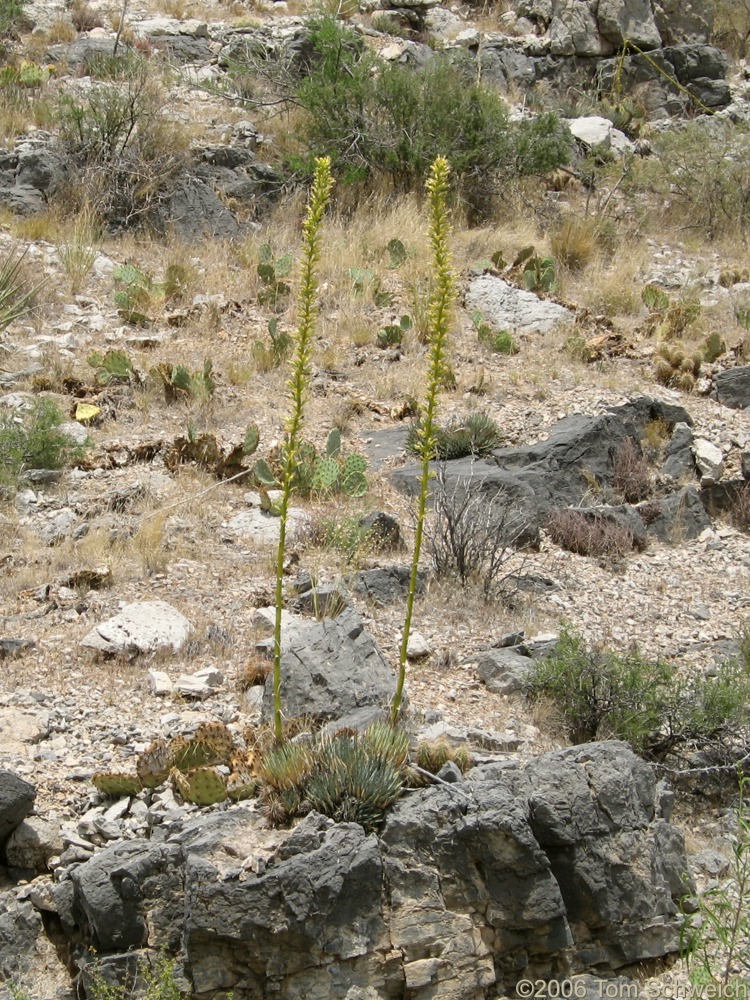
x,y
709,460
159,682
418,647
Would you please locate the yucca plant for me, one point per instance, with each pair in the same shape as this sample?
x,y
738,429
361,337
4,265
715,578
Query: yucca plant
x,y
15,295
441,305
298,385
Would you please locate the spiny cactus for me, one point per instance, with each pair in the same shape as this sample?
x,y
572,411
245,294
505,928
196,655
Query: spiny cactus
x,y
676,368
154,764
116,785
203,785
431,756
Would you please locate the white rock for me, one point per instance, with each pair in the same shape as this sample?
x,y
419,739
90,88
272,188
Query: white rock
x,y
506,307
200,684
709,460
261,527
159,682
417,647
593,130
141,627
467,37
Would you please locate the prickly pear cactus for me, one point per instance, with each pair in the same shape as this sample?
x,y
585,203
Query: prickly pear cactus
x,y
154,763
116,785
217,740
251,440
203,786
326,474
264,474
353,480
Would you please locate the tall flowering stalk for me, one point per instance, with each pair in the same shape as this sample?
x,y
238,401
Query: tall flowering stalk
x,y
440,311
298,386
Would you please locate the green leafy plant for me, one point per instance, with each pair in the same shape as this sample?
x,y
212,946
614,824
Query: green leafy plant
x,y
393,334
298,389
349,777
315,473
499,341
668,320
475,434
397,253
270,355
271,271
537,273
15,295
136,294
715,940
33,440
150,980
180,383
441,305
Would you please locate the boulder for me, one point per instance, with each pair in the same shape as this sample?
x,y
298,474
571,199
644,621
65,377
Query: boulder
x,y
679,461
141,627
16,802
592,130
33,843
574,31
675,518
512,872
329,668
709,460
20,930
384,585
504,670
621,21
194,211
684,21
506,307
732,387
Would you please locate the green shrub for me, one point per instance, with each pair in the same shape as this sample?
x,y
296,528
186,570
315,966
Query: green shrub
x,y
11,12
704,171
33,440
475,434
602,693
149,980
715,940
390,121
127,153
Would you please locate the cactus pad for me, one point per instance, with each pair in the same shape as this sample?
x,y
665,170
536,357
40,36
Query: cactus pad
x,y
154,763
217,740
116,785
203,786
326,474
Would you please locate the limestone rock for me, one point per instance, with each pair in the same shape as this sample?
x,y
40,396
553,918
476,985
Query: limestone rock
x,y
504,670
329,668
732,387
16,802
709,460
622,21
141,627
33,843
506,307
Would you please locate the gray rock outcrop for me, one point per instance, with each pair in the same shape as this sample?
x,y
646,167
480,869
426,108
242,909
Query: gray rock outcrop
x,y
329,668
512,873
16,802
